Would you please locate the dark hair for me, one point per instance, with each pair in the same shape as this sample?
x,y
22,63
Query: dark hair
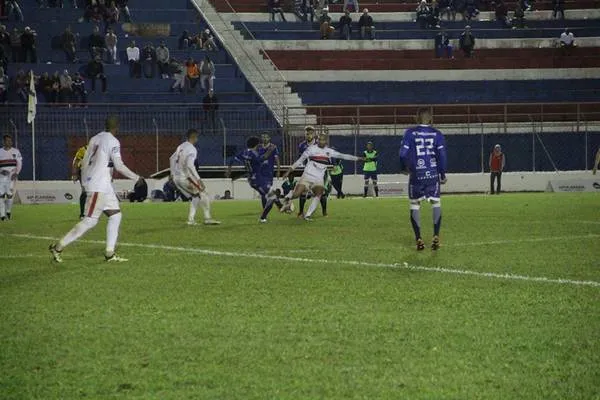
x,y
190,133
423,110
252,142
6,136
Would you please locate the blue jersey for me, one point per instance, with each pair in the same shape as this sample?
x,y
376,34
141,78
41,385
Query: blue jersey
x,y
268,166
253,162
423,151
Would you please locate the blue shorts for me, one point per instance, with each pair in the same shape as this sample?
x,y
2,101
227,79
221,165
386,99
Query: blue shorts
x,y
424,191
261,186
370,175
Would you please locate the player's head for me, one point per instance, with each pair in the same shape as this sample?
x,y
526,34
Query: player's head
x,y
497,148
252,142
370,146
424,116
7,141
265,138
323,139
192,136
112,124
309,133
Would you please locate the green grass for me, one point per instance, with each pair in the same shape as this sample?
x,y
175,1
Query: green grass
x,y
174,324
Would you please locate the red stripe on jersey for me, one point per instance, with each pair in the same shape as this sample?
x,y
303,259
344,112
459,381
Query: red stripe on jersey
x,y
92,205
319,158
8,163
194,183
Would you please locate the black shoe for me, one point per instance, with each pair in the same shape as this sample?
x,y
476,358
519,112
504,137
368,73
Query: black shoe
x,y
8,216
420,245
435,244
3,219
56,255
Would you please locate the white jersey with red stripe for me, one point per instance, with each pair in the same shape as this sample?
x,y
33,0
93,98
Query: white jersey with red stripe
x,y
182,162
11,162
317,160
103,154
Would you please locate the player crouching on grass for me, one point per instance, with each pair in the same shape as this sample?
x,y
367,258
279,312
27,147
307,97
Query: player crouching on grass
x,y
423,154
317,157
186,178
103,153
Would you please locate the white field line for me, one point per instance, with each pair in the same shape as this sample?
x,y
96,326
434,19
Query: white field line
x,y
17,256
405,266
526,240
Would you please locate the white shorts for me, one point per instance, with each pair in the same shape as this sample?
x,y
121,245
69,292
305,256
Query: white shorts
x,y
98,202
187,186
7,186
311,181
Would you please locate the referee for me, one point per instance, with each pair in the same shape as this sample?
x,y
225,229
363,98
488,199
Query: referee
x,y
76,176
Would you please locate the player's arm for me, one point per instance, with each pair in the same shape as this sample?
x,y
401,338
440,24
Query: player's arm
x,y
596,162
238,158
19,166
277,161
404,152
440,149
191,167
172,162
120,166
342,156
503,162
298,163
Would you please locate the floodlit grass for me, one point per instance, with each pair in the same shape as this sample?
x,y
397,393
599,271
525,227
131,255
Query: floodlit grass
x,y
177,324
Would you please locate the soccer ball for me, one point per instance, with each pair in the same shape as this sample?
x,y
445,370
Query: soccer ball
x,y
291,209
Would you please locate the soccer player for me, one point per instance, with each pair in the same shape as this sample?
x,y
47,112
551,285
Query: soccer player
x,y
103,154
186,178
317,158
11,163
370,169
596,162
254,161
267,169
76,176
423,153
310,140
288,185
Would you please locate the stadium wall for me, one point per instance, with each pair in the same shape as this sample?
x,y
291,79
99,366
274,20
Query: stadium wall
x,y
68,192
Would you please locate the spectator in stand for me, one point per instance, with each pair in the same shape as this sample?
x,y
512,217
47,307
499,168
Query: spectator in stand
x,y
96,43
112,15
3,60
133,57
4,42
20,85
55,87
45,87
95,70
184,40
192,74
179,74
16,50
28,45
470,10
447,8
149,60
124,9
93,13
496,163
13,7
66,88
325,24
467,42
79,92
3,86
424,15
68,43
442,44
110,41
307,9
502,14
207,41
210,104
558,7
567,40
276,6
162,60
519,16
207,73
365,24
345,25
354,3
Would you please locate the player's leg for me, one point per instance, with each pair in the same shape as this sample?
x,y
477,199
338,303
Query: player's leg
x,y
366,187
298,191
270,197
82,200
415,196
433,195
9,199
318,191
324,198
205,204
4,187
191,192
375,187
2,207
93,209
499,178
492,176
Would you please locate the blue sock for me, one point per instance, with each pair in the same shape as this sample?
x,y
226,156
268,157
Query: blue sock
x,y
437,219
263,200
415,220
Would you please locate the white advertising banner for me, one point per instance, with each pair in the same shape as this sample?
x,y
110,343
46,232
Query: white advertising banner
x,y
48,196
575,185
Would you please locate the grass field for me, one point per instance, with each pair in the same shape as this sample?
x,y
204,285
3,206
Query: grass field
x,y
340,308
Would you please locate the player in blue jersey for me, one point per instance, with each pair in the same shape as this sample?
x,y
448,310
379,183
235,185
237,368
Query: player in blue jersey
x,y
423,154
254,163
267,169
309,140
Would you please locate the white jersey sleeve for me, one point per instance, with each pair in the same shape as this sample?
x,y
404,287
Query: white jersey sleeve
x,y
19,162
118,164
341,156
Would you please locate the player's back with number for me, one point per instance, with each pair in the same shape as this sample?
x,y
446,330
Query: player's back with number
x,y
97,163
423,149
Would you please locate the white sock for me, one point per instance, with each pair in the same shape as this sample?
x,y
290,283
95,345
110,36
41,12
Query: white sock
x,y
112,232
313,205
2,209
78,231
193,207
9,203
205,204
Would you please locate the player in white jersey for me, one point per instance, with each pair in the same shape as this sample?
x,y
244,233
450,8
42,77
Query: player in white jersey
x,y
186,178
318,158
11,163
103,154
